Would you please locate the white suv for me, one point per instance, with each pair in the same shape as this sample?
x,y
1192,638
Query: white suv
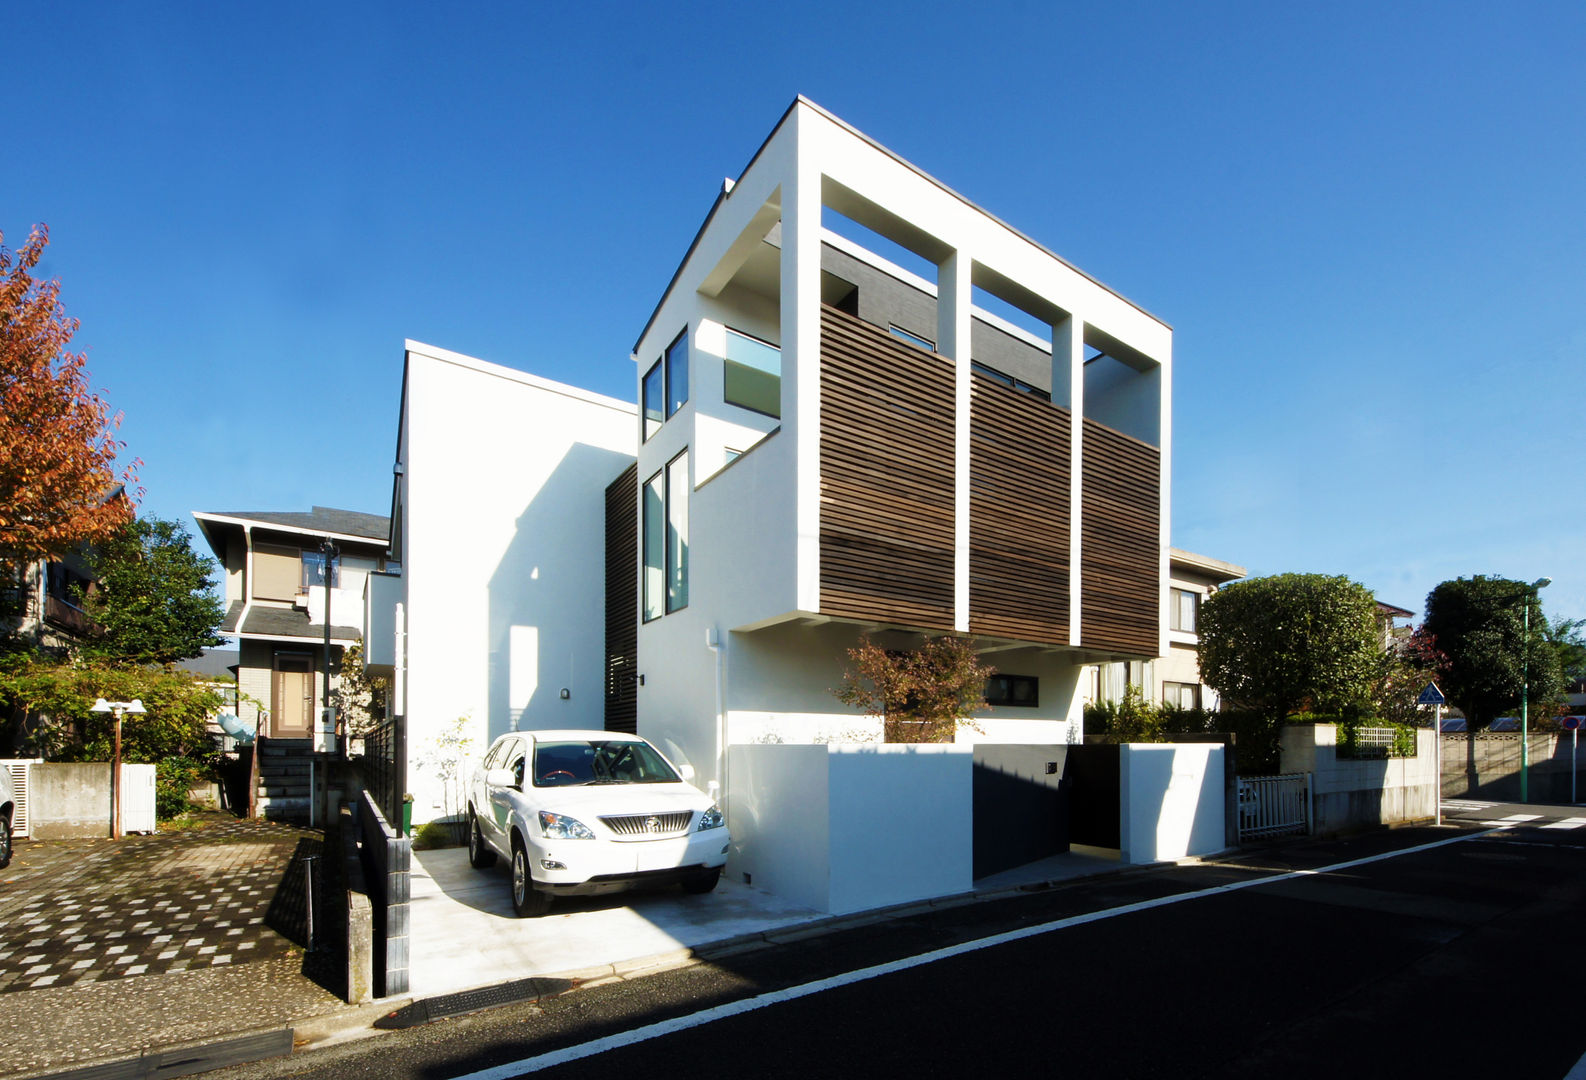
x,y
585,812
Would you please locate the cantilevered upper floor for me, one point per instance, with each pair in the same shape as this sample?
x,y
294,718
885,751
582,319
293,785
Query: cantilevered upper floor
x,y
865,399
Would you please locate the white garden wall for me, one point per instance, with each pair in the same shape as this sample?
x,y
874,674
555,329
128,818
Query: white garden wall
x,y
1171,800
849,828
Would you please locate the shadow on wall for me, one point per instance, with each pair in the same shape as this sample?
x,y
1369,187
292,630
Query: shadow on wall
x,y
547,601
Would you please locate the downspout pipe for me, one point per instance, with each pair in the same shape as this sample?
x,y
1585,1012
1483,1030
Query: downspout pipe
x,y
713,643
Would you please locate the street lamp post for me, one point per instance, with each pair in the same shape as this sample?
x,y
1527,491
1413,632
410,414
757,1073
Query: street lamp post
x,y
1525,687
117,708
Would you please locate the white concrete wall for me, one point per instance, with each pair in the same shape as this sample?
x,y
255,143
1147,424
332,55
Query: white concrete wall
x,y
1171,800
850,828
1353,794
504,552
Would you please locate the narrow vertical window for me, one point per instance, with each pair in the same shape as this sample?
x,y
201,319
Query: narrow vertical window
x,y
677,533
677,373
1182,610
654,399
654,547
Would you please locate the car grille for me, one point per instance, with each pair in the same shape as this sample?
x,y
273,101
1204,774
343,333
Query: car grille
x,y
649,826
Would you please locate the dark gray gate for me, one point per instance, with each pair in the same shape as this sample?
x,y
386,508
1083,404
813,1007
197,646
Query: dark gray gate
x,y
1020,805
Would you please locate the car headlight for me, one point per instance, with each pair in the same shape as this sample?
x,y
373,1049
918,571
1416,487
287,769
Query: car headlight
x,y
710,819
562,827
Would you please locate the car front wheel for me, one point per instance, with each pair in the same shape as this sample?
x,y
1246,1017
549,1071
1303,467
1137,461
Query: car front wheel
x,y
527,901
480,856
5,840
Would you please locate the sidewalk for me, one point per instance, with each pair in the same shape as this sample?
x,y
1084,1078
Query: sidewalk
x,y
109,948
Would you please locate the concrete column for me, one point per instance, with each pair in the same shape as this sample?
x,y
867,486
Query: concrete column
x,y
801,353
1068,390
953,322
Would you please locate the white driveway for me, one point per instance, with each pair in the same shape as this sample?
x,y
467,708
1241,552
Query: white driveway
x,y
464,935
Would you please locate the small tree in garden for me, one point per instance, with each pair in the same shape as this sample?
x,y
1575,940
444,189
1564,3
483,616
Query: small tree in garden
x,y
921,693
447,755
360,697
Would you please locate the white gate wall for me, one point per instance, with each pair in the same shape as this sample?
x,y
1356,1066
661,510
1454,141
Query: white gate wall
x,y
137,799
1171,801
18,768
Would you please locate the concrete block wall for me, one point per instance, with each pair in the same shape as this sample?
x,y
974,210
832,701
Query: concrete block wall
x,y
72,800
1355,794
1487,766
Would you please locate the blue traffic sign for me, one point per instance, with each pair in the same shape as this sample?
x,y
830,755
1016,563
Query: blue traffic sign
x,y
1431,696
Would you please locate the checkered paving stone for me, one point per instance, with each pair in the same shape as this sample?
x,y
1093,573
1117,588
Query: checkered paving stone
x,y
75,911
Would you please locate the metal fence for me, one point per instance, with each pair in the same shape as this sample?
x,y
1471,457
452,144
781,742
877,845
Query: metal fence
x,y
385,767
1274,805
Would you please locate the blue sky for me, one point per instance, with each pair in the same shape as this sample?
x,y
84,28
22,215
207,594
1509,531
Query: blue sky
x,y
1366,223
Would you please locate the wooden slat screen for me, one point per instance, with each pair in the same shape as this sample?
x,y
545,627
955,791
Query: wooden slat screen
x,y
622,602
1120,590
1018,515
886,543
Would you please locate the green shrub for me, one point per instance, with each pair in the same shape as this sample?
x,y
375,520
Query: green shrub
x,y
174,777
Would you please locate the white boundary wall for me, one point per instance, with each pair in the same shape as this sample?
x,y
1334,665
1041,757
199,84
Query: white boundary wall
x,y
1171,800
853,827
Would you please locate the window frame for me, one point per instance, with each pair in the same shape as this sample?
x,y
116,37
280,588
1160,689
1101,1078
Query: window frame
x,y
1175,610
651,530
725,360
1007,699
651,422
673,408
676,577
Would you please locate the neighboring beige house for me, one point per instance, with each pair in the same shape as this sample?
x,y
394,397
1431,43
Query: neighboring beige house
x,y
275,603
1174,678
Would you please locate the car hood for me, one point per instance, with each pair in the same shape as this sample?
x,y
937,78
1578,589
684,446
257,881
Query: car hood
x,y
610,799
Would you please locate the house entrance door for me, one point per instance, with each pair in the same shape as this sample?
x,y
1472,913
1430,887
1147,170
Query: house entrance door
x,y
292,696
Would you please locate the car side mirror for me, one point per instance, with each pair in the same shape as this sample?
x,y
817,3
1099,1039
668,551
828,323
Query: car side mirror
x,y
500,778
687,773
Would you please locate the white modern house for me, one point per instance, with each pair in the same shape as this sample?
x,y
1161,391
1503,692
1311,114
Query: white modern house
x,y
865,407
498,524
833,445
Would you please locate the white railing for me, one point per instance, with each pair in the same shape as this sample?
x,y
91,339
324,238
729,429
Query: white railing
x,y
1274,805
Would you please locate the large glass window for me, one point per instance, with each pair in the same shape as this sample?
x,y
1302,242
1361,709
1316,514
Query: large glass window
x,y
1182,607
654,400
654,546
677,373
753,375
677,533
314,569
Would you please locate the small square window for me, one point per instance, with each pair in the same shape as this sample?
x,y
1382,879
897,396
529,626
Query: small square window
x,y
1022,691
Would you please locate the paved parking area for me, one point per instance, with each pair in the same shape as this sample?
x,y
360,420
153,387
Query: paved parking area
x,y
77,911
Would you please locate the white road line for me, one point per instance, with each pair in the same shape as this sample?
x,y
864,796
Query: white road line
x,y
848,978
1567,823
1518,818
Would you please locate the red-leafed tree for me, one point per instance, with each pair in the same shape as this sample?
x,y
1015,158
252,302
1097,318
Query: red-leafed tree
x,y
57,437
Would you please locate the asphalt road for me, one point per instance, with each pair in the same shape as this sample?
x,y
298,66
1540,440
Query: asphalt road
x,y
1399,954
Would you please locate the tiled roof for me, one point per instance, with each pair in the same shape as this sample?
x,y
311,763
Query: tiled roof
x,y
233,613
290,622
319,519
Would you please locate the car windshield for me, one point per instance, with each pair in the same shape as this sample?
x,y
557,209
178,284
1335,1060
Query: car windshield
x,y
599,761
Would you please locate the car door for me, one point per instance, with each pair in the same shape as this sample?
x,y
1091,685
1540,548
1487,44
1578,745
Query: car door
x,y
511,759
